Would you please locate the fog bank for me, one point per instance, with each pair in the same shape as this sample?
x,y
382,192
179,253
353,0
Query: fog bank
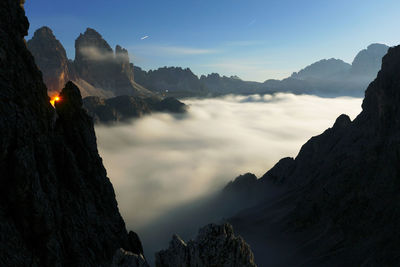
x,y
161,161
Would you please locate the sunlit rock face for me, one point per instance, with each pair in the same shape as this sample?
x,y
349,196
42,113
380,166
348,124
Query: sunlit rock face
x,y
96,63
51,58
57,206
97,70
215,245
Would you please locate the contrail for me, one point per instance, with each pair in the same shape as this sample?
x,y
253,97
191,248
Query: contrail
x,y
144,37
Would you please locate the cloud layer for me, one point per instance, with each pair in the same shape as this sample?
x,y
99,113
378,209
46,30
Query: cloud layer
x,y
161,161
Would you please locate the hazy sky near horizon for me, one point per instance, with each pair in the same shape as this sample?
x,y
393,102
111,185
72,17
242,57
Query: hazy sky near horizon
x,y
254,39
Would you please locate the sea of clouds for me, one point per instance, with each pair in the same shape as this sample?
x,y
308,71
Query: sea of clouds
x,y
163,161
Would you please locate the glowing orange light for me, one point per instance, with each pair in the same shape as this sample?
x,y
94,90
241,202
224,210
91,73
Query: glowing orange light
x,y
54,99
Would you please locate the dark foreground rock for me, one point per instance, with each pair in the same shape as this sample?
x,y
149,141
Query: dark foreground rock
x,y
125,108
341,197
215,245
124,258
57,206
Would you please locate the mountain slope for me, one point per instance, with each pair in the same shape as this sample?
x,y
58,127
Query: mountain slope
x,y
57,206
341,191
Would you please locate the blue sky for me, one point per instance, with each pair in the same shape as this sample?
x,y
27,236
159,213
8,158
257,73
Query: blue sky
x,y
254,39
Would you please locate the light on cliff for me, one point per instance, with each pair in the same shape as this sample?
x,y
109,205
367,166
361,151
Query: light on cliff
x,y
54,99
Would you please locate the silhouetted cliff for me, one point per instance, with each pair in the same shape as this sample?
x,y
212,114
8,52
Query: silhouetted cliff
x,y
215,245
341,191
57,206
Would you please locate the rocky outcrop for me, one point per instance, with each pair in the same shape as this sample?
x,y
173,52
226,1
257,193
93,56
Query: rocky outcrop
x,y
125,108
96,63
123,258
96,69
215,245
341,191
51,58
57,206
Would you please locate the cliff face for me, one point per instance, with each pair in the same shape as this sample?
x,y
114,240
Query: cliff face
x,y
97,64
51,58
342,188
215,245
57,206
97,70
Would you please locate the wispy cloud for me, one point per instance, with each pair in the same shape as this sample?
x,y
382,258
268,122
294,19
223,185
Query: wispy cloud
x,y
168,50
244,43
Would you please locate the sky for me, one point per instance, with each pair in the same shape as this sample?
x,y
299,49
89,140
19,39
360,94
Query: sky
x,y
253,39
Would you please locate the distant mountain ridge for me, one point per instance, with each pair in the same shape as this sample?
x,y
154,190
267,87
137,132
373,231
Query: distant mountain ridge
x,y
98,70
327,77
125,108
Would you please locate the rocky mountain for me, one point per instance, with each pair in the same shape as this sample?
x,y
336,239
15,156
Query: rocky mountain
x,y
57,206
52,59
327,77
340,199
215,245
171,81
97,69
96,63
125,108
334,77
217,85
326,69
368,62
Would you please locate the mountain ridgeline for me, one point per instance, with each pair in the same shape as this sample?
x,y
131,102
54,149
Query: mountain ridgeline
x,y
100,71
340,194
327,77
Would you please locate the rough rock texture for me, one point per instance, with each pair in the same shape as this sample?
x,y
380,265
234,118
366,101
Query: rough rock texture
x,y
125,108
96,69
123,258
97,64
51,58
342,188
215,245
57,206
